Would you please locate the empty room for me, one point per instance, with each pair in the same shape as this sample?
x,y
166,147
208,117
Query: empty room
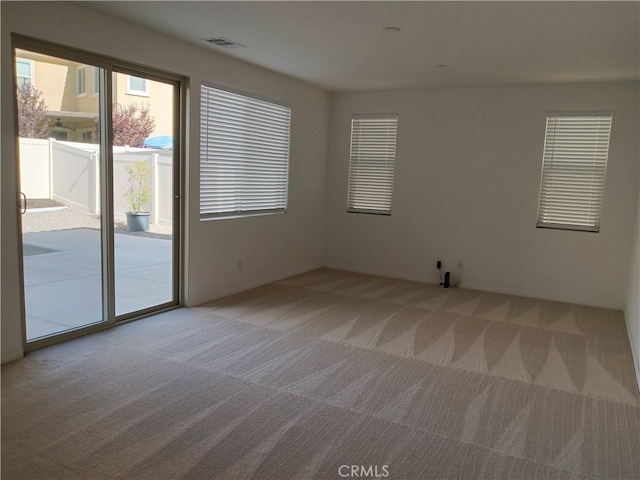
x,y
320,240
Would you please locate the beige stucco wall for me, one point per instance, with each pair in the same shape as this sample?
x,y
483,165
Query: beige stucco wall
x,y
160,99
57,80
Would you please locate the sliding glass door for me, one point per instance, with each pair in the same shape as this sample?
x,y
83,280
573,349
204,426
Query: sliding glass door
x,y
99,164
59,102
143,179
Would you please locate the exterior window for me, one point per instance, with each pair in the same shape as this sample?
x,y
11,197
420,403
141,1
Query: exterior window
x,y
87,137
96,81
81,81
574,168
244,154
24,70
372,164
137,86
58,135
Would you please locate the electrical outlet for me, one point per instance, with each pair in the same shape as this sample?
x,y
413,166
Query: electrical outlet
x,y
239,264
459,263
438,264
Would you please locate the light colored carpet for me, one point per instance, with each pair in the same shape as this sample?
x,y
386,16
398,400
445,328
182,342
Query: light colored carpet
x,y
296,378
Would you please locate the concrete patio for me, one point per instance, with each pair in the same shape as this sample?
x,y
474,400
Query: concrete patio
x,y
63,279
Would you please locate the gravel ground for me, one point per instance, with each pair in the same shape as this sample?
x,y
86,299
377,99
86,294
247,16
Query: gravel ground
x,y
67,218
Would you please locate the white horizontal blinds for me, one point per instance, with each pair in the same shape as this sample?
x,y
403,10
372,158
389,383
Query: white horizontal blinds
x,y
372,165
573,171
244,154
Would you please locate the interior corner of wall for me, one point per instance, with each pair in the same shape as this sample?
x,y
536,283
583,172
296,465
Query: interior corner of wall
x,y
635,346
11,356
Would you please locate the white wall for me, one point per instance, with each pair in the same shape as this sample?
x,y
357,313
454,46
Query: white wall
x,y
466,187
632,306
270,247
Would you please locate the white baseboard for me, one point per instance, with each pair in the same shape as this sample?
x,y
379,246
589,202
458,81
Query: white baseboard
x,y
7,357
378,273
634,349
250,285
471,286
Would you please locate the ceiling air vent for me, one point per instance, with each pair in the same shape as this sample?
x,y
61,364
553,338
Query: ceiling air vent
x,y
223,42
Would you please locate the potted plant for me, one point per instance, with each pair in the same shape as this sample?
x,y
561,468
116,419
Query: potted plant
x,y
137,195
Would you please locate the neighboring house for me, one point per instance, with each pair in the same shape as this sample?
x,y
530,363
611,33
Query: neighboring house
x,y
70,91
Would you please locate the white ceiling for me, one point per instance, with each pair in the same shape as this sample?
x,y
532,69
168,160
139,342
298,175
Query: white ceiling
x,y
342,45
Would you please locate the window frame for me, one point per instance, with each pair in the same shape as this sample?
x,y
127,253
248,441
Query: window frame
x,y
60,135
574,170
277,161
96,81
31,70
86,135
135,91
81,80
105,166
383,184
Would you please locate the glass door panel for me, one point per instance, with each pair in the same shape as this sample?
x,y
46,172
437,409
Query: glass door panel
x,y
143,191
60,178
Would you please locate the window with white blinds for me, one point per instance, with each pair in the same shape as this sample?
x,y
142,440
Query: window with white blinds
x,y
574,167
372,164
244,154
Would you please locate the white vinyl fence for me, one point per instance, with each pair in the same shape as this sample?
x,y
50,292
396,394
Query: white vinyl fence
x,y
70,173
35,164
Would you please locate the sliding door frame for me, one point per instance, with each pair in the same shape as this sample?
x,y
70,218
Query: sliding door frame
x,y
108,66
153,75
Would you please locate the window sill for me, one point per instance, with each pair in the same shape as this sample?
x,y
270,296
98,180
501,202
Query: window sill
x,y
137,93
231,216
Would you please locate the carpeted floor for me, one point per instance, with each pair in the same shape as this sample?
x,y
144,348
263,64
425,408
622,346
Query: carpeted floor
x,y
297,378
